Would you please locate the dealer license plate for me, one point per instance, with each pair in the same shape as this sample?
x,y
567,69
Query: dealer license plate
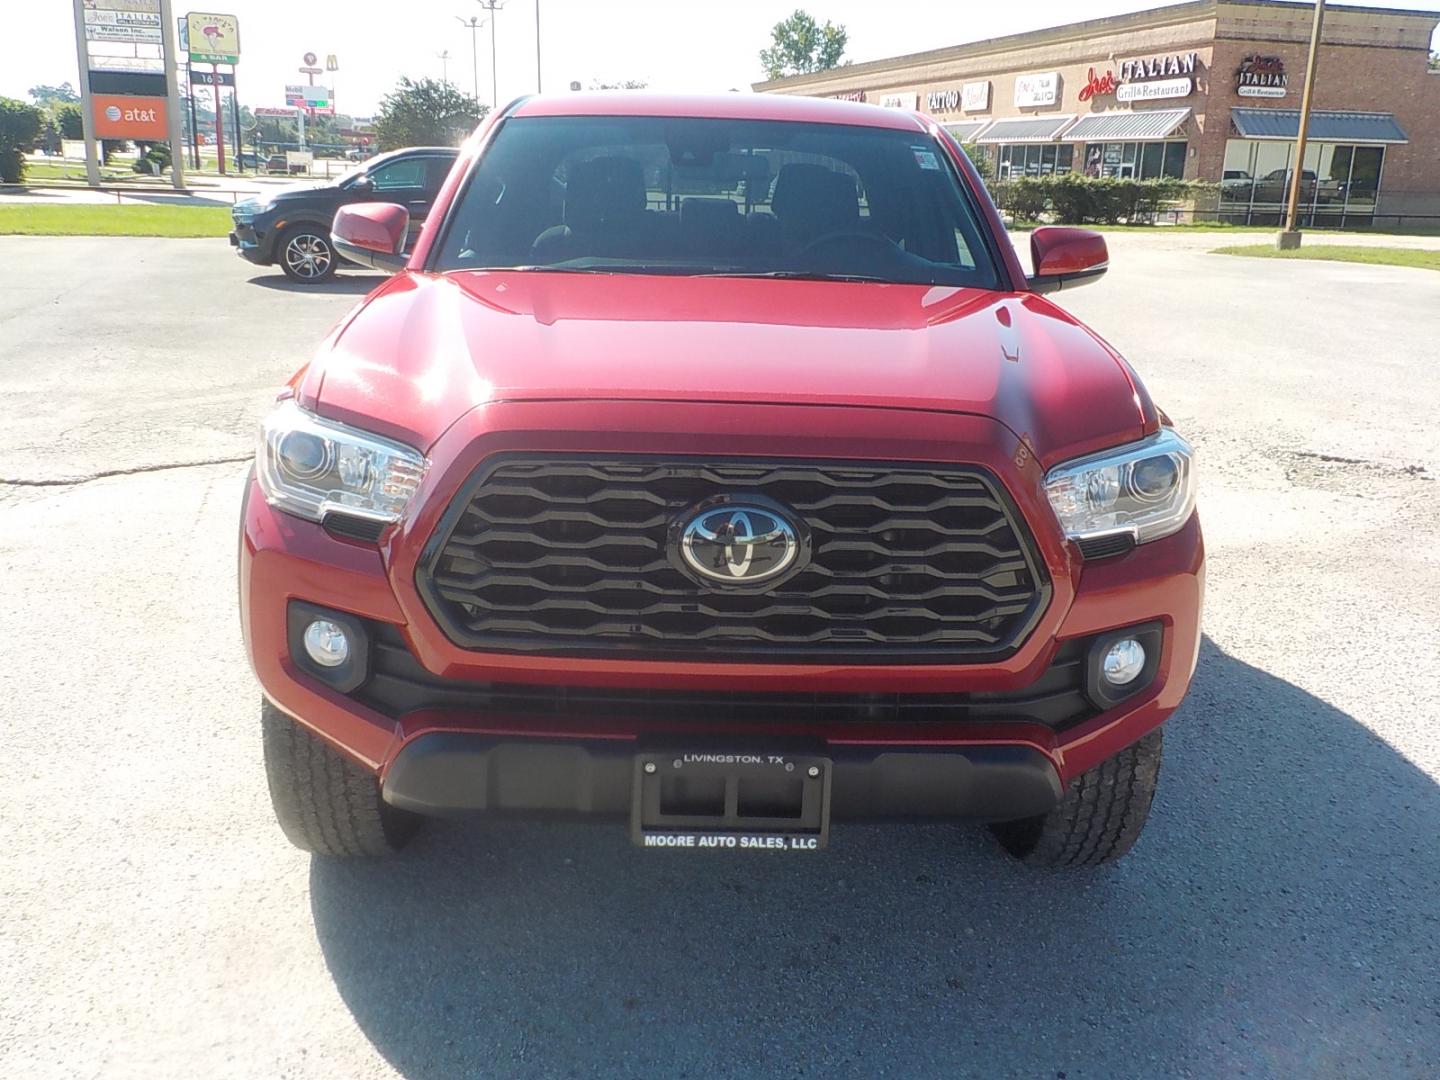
x,y
737,800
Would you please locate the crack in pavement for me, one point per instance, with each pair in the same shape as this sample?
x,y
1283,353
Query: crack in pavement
x,y
137,470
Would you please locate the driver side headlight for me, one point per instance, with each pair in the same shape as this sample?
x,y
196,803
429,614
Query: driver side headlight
x,y
1145,490
309,466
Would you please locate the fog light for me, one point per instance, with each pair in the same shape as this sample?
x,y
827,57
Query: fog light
x,y
328,646
1122,664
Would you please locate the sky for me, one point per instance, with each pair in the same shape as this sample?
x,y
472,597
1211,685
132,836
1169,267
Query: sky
x,y
672,44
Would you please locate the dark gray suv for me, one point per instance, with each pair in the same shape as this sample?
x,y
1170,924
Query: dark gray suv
x,y
292,226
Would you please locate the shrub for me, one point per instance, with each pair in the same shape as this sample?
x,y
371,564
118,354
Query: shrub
x,y
19,128
981,160
1025,197
154,158
1072,199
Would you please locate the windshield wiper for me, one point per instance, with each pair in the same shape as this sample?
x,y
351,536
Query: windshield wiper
x,y
600,268
801,275
538,269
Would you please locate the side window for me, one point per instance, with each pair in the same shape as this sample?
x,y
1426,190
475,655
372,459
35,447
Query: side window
x,y
400,175
436,170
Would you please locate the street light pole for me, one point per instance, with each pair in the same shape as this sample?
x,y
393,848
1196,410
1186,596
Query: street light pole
x,y
1290,238
444,66
493,6
474,24
537,46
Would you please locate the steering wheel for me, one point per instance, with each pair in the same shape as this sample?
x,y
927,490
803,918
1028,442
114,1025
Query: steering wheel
x,y
846,234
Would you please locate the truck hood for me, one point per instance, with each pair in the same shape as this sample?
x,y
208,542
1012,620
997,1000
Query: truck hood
x,y
424,349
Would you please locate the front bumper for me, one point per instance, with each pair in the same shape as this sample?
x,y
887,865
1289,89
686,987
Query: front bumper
x,y
250,244
441,757
456,772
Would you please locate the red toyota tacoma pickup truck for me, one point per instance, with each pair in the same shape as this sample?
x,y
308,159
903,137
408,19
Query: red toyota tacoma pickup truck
x,y
713,465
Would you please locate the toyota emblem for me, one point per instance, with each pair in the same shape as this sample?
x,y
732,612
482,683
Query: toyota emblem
x,y
738,543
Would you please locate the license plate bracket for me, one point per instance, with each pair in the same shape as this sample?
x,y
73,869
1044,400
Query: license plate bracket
x,y
737,800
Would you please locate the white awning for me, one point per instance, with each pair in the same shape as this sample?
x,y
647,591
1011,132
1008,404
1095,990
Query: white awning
x,y
966,130
1026,129
1129,125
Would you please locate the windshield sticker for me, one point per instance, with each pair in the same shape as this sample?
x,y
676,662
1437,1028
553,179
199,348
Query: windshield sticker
x,y
925,158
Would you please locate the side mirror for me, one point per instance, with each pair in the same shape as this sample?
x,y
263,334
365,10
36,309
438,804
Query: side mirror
x,y
363,183
1065,258
372,234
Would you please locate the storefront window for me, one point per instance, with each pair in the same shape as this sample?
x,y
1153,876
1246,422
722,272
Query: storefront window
x,y
1365,178
1174,163
1135,161
1338,182
1033,159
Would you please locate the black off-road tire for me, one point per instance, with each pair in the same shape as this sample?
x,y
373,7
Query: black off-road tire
x,y
325,802
1099,818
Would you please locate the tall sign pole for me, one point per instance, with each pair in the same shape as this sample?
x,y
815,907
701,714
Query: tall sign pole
x,y
219,118
1290,238
82,51
235,121
182,32
175,122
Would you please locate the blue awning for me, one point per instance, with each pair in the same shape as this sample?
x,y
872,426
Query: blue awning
x,y
1325,126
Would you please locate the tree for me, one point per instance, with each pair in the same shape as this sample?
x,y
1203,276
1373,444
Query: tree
x,y
70,121
19,128
801,46
425,112
622,84
46,96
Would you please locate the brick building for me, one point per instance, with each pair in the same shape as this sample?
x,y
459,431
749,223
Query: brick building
x,y
1204,90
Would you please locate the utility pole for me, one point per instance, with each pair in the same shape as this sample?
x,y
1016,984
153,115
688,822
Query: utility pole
x,y
473,24
493,6
1290,238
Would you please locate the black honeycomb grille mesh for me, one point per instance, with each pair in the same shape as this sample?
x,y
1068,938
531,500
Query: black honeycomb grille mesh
x,y
568,556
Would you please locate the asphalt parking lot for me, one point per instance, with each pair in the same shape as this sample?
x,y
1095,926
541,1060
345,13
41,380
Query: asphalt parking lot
x,y
1280,917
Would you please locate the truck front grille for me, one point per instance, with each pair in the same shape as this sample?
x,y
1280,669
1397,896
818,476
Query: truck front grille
x,y
399,684
564,555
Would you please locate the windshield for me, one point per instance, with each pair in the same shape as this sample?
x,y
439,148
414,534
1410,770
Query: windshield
x,y
708,196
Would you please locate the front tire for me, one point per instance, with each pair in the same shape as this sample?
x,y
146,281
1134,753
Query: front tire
x,y
1100,817
306,254
326,803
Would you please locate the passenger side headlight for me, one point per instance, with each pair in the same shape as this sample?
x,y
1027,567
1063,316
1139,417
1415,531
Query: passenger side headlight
x,y
309,466
1145,490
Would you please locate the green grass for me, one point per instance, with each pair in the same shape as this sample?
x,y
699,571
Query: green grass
x,y
1221,227
37,171
101,220
1384,256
